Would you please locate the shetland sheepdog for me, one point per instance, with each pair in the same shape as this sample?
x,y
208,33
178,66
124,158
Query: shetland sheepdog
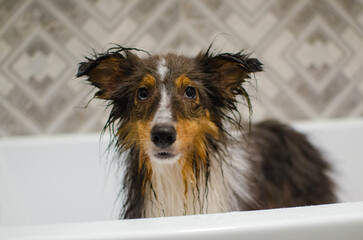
x,y
176,120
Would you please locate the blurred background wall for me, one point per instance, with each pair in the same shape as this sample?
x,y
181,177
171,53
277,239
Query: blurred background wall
x,y
312,51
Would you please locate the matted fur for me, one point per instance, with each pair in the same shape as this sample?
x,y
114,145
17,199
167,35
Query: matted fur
x,y
271,166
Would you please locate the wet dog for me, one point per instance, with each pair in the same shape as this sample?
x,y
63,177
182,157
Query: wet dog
x,y
176,120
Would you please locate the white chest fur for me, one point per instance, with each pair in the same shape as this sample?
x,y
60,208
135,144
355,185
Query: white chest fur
x,y
226,185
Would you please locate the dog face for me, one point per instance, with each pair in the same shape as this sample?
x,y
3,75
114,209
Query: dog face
x,y
169,107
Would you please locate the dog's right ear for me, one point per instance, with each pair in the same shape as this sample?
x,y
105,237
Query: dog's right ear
x,y
107,71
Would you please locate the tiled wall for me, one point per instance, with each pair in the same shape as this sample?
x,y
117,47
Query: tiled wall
x,y
312,51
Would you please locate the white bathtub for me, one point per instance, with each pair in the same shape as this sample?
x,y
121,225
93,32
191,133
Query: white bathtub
x,y
60,188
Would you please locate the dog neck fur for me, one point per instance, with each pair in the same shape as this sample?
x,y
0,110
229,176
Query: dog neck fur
x,y
167,194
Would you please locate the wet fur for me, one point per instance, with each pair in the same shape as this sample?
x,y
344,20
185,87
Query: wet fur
x,y
266,165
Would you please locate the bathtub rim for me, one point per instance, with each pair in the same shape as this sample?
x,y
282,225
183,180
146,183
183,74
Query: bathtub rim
x,y
332,221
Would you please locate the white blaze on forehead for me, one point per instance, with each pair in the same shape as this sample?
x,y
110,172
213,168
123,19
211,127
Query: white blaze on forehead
x,y
163,114
162,69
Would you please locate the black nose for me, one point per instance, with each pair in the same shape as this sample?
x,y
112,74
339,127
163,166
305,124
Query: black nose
x,y
163,135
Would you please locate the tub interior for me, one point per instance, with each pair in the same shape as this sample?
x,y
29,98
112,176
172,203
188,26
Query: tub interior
x,y
68,178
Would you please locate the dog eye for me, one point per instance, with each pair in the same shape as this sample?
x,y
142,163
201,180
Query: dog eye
x,y
190,92
142,94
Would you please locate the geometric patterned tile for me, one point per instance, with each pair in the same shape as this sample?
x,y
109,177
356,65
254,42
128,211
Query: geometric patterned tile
x,y
38,63
316,52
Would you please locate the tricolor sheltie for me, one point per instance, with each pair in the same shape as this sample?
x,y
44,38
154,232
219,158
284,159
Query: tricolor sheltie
x,y
187,151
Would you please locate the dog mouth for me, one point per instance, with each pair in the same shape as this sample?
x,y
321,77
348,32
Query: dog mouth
x,y
164,155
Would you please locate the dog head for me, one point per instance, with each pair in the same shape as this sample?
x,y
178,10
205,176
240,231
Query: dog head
x,y
169,107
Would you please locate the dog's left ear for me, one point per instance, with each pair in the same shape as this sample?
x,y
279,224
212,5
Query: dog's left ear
x,y
234,69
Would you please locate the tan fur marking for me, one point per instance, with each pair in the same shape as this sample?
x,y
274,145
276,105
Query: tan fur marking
x,y
143,134
148,81
138,132
128,134
191,142
182,81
